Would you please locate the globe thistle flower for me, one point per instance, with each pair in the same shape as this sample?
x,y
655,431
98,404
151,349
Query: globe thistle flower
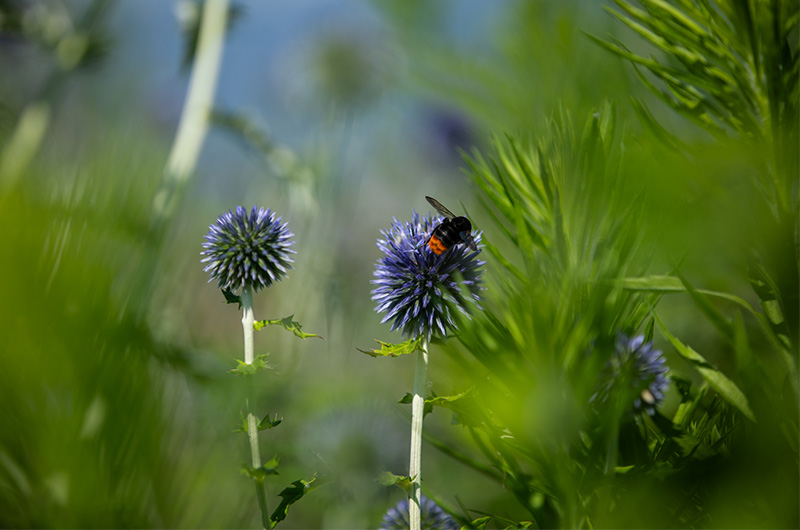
x,y
641,369
418,289
432,517
242,249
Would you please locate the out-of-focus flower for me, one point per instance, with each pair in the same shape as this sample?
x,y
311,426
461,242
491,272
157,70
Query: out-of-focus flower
x,y
635,370
419,290
432,517
242,248
348,65
446,134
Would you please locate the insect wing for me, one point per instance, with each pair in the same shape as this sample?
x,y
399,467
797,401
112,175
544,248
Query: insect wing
x,y
440,207
467,238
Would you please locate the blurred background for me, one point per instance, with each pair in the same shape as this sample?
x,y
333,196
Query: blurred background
x,y
116,408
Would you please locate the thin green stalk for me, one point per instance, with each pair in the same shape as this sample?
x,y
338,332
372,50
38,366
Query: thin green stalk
x,y
197,107
415,461
489,471
261,494
24,143
252,423
247,322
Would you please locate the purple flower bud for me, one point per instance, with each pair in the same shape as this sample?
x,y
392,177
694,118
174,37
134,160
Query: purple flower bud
x,y
247,249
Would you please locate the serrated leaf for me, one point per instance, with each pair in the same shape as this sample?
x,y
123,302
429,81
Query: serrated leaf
x,y
288,324
480,522
263,425
388,349
231,297
406,400
260,473
427,408
716,379
258,364
291,495
266,423
439,401
390,479
272,465
244,426
447,401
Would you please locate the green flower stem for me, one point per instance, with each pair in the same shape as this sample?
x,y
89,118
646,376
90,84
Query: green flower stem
x,y
261,493
252,431
197,107
415,461
255,455
252,423
247,322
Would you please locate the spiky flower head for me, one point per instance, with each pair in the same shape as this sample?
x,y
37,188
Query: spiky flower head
x,y
640,369
242,248
419,290
432,517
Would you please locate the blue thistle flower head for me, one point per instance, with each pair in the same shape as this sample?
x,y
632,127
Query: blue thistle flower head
x,y
419,290
432,517
641,368
242,248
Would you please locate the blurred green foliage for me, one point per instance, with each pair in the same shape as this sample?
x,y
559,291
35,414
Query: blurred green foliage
x,y
671,213
583,257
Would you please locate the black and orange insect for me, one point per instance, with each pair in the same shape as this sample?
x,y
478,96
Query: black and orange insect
x,y
452,231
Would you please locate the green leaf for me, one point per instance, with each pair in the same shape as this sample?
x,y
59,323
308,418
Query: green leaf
x,y
683,415
262,472
259,363
480,522
288,324
768,293
447,401
388,349
427,408
243,427
390,479
716,379
266,423
263,425
673,284
231,298
291,495
716,318
649,122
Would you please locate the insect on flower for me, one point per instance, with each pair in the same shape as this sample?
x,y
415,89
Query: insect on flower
x,y
452,231
419,290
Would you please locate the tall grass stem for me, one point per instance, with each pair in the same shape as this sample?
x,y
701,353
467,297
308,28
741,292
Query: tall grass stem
x,y
199,102
24,143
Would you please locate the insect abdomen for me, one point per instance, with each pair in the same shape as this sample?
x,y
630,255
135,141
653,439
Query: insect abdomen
x,y
436,245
